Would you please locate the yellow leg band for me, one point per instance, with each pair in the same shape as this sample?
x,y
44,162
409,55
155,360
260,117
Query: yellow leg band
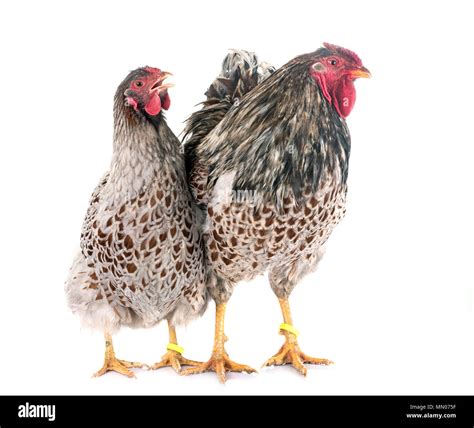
x,y
174,347
290,328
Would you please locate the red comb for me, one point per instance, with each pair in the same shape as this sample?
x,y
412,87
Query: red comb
x,y
152,70
343,52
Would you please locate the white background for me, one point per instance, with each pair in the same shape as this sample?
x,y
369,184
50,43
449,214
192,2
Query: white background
x,y
392,302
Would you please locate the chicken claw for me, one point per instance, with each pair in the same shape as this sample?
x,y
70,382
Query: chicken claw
x,y
175,360
219,363
290,353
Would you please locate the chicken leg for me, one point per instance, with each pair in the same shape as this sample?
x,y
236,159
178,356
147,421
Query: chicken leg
x,y
219,361
290,352
113,364
173,357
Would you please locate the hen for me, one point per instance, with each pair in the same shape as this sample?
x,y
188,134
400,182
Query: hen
x,y
141,258
272,171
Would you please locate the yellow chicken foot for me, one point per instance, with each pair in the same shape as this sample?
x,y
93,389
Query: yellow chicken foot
x,y
219,361
113,364
173,357
290,352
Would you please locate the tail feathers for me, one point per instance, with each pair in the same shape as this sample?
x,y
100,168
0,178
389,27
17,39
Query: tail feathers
x,y
241,72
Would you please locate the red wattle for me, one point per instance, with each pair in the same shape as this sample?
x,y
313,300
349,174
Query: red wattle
x,y
166,101
344,96
153,107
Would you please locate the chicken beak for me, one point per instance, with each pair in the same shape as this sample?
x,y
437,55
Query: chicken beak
x,y
165,86
162,86
360,72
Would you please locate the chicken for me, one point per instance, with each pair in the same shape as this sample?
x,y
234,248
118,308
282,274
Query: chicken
x,y
272,174
141,258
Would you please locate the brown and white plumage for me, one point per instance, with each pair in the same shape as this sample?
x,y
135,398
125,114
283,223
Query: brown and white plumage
x,y
141,258
272,175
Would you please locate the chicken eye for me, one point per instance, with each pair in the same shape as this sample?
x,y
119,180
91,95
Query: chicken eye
x,y
138,83
333,62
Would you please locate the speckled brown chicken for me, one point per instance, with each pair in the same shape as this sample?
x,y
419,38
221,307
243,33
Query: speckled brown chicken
x,y
272,175
141,258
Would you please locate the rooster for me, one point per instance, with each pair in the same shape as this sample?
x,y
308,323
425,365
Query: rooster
x,y
271,171
141,258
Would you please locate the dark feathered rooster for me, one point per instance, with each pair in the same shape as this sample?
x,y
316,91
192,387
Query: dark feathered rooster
x,y
141,258
272,171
